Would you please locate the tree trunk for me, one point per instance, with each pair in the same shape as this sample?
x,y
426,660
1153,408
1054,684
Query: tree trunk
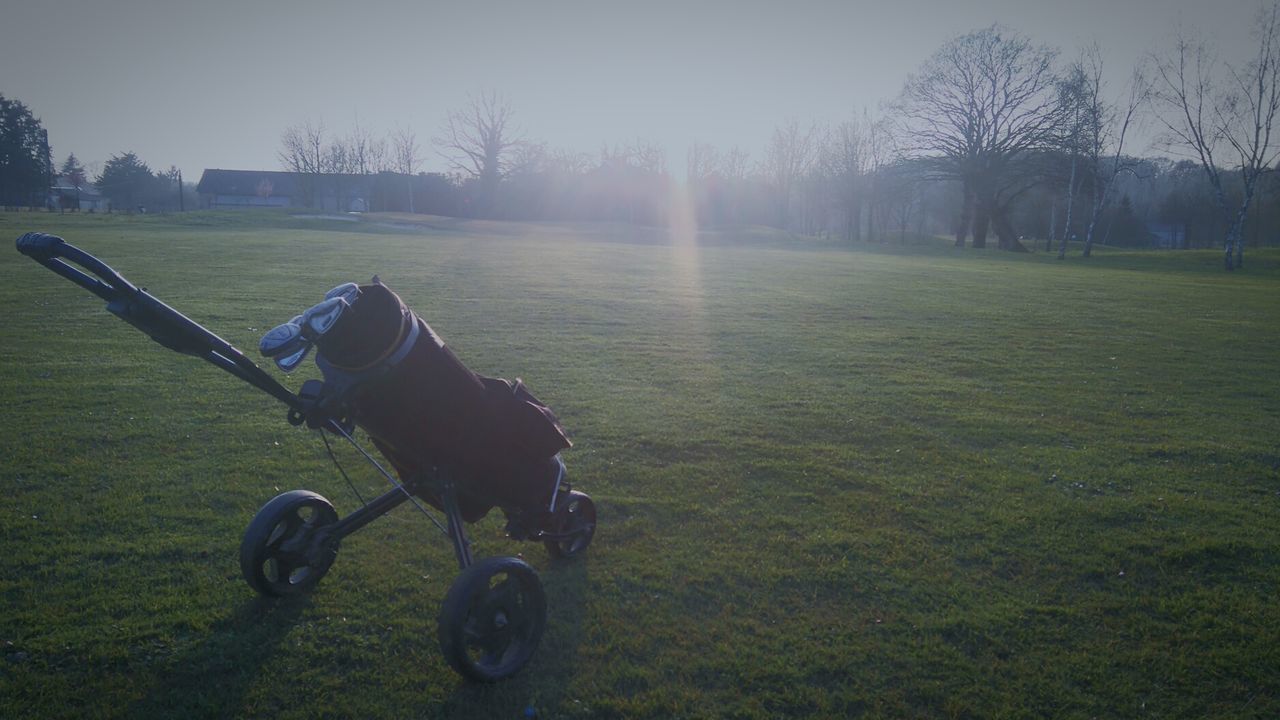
x,y
981,223
1053,227
1005,232
1062,241
1071,197
1233,254
1240,218
922,216
966,217
871,222
1099,201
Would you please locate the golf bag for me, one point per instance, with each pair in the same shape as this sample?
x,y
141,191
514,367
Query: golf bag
x,y
388,373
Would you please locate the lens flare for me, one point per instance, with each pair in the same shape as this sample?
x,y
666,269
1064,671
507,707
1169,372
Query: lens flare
x,y
687,286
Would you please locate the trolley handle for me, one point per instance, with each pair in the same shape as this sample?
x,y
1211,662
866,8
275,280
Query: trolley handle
x,y
145,312
48,250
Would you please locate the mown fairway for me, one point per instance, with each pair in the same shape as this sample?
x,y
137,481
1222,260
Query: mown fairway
x,y
830,483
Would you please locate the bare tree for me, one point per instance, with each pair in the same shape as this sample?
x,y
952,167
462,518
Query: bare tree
x,y
883,149
337,157
477,141
569,162
303,148
1106,127
846,158
703,182
735,164
303,151
405,156
631,182
648,156
363,153
903,197
701,163
977,108
814,190
734,167
788,158
529,159
1215,112
1073,89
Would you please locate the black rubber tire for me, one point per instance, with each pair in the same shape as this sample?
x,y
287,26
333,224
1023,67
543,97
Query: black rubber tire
x,y
279,555
574,514
492,619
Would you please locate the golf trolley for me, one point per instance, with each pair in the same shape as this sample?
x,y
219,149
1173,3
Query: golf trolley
x,y
379,362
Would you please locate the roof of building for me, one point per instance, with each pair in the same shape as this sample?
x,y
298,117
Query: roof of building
x,y
247,182
87,190
276,183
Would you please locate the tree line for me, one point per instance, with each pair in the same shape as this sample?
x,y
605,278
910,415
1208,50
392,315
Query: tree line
x,y
994,135
28,172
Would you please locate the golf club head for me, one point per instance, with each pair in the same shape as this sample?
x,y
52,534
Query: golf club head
x,y
321,318
290,362
347,291
281,339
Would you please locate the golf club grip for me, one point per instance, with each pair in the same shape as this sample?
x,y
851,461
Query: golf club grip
x,y
48,250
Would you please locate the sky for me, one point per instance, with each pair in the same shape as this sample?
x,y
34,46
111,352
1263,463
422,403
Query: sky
x,y
215,84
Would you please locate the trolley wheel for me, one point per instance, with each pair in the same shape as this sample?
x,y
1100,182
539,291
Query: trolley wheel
x,y
573,524
492,619
285,551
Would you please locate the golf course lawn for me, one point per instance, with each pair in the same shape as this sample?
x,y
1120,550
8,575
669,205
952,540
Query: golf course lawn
x,y
885,482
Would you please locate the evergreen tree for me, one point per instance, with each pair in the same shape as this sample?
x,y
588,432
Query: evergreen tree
x,y
25,161
1126,228
73,171
126,181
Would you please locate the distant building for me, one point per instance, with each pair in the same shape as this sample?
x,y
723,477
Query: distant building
x,y
333,192
66,195
327,192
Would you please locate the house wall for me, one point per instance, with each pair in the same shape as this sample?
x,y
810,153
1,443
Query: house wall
x,y
243,201
336,192
341,203
69,199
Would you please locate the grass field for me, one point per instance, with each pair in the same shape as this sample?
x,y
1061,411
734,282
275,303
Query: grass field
x,y
831,483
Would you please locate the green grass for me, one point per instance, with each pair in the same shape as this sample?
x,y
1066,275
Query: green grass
x,y
831,483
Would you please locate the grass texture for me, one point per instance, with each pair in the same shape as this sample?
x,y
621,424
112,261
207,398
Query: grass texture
x,y
893,483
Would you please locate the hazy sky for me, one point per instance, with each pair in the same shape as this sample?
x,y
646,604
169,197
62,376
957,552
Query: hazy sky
x,y
214,84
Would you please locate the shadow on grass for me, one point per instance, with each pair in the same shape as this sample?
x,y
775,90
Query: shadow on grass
x,y
211,678
542,684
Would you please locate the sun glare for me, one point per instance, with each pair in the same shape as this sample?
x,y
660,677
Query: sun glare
x,y
687,288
